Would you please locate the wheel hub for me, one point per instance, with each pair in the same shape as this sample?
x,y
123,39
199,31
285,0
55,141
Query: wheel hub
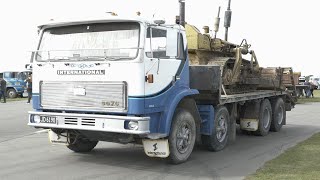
x,y
266,118
221,129
280,115
183,138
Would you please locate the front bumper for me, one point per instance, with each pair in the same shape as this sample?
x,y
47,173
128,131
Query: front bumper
x,y
91,122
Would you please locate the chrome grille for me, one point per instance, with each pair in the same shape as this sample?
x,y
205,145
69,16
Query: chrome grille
x,y
100,96
71,121
88,122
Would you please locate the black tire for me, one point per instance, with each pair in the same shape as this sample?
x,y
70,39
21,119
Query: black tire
x,y
12,93
81,145
298,94
265,118
182,136
220,132
278,115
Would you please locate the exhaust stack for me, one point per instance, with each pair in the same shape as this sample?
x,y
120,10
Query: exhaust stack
x,y
182,12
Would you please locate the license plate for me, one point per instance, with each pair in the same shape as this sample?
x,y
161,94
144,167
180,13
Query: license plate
x,y
48,119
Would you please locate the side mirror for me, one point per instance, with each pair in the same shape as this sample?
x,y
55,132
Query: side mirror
x,y
28,66
172,43
32,56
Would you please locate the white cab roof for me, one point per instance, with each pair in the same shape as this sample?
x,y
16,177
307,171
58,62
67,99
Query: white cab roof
x,y
86,20
100,19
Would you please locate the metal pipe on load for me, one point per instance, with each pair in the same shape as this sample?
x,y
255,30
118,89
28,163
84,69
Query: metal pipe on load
x,y
227,20
182,12
217,23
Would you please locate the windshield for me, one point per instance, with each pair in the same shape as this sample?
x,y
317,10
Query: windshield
x,y
111,41
9,75
23,75
156,46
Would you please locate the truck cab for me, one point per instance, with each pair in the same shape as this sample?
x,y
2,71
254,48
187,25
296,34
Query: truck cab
x,y
15,82
111,79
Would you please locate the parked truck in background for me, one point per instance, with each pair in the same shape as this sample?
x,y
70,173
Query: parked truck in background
x,y
16,85
293,81
315,80
168,87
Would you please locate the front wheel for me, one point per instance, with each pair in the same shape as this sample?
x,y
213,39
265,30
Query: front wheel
x,y
12,93
182,136
81,145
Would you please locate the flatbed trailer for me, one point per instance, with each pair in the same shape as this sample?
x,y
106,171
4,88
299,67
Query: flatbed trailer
x,y
259,94
255,97
290,100
246,109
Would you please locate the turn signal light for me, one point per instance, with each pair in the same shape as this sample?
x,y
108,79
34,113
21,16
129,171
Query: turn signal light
x,y
149,78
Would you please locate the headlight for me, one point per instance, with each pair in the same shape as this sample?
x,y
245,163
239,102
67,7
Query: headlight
x,y
133,125
17,83
36,119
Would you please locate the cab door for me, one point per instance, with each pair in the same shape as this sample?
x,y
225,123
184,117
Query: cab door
x,y
161,62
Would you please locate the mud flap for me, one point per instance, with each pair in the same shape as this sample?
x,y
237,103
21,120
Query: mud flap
x,y
57,139
156,148
249,124
249,121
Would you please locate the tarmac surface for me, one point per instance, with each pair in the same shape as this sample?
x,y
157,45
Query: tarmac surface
x,y
25,152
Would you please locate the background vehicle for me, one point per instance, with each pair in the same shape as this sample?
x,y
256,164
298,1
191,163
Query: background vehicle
x,y
15,82
301,83
168,87
315,81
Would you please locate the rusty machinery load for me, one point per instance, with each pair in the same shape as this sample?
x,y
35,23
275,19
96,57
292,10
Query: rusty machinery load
x,y
238,74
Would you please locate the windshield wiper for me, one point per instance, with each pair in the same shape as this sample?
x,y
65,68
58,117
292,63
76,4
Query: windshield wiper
x,y
87,58
107,58
116,58
59,58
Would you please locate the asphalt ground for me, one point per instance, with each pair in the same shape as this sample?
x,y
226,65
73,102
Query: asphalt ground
x,y
25,152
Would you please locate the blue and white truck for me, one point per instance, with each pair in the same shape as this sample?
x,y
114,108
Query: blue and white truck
x,y
130,80
15,84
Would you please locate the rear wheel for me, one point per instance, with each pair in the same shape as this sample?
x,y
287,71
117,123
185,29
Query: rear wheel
x,y
80,144
278,115
11,93
182,136
265,116
219,137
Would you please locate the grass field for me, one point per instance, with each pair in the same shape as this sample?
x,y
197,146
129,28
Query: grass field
x,y
15,99
299,162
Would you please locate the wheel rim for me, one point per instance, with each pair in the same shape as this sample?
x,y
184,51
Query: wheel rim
x,y
11,94
184,138
221,130
266,118
280,115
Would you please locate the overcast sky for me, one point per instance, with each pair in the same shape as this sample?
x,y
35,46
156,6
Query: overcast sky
x,y
282,33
